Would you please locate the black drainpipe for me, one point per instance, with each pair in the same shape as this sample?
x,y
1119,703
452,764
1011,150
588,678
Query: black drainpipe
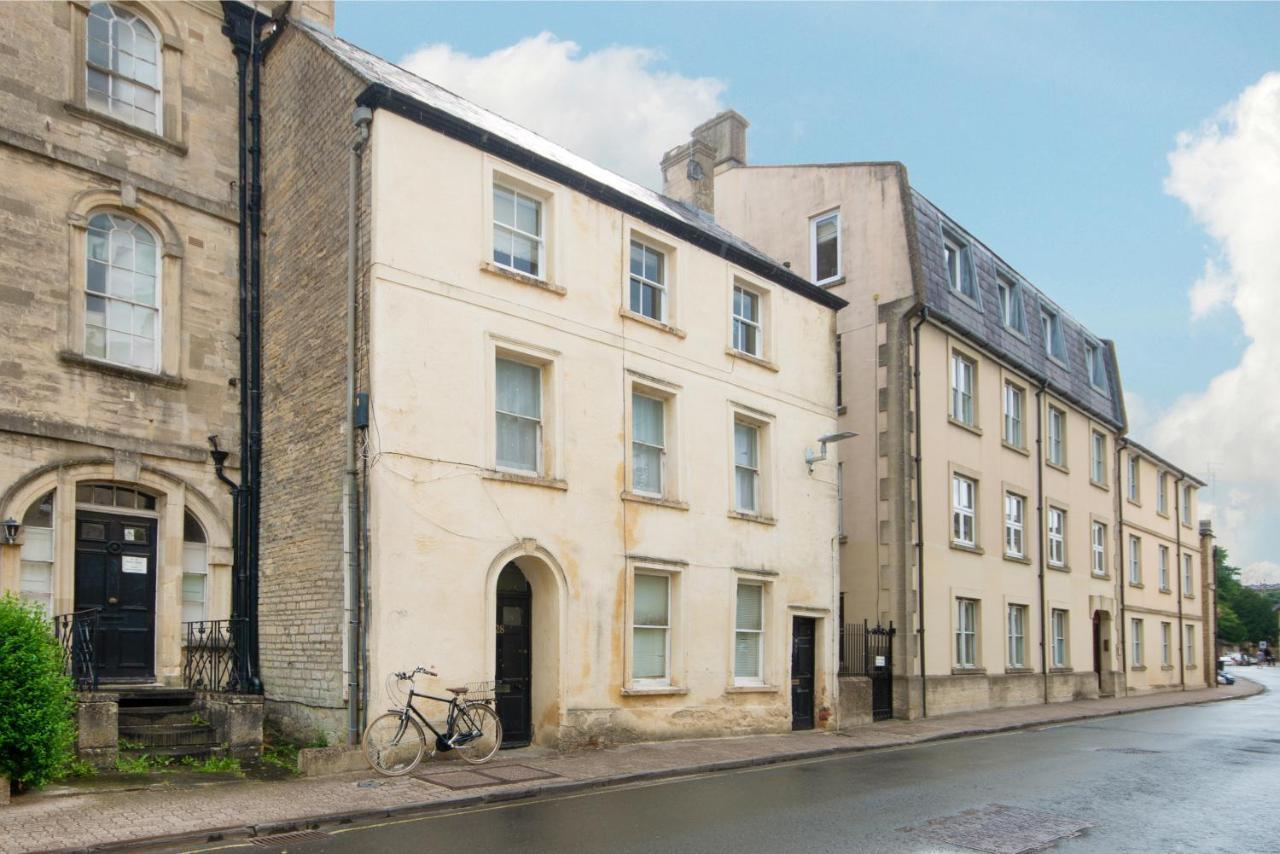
x,y
1041,530
1121,569
924,693
1177,534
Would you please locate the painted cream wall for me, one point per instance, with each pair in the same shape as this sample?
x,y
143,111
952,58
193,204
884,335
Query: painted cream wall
x,y
986,574
1147,600
443,522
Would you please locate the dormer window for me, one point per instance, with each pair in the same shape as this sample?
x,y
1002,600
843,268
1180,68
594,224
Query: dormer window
x,y
959,267
1051,328
1011,312
123,66
1095,367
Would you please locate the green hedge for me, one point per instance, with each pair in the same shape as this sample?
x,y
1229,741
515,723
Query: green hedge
x,y
37,705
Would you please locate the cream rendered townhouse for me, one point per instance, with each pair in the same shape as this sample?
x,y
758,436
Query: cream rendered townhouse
x,y
981,517
1166,577
571,456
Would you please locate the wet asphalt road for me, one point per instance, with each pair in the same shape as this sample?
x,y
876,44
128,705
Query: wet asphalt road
x,y
1186,779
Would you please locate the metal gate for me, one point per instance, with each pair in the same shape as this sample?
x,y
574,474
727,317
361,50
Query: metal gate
x,y
868,651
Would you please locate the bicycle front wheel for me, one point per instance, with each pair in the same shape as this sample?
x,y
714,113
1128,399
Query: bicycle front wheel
x,y
394,744
479,733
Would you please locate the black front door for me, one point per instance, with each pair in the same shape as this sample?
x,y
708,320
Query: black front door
x,y
514,665
116,573
802,667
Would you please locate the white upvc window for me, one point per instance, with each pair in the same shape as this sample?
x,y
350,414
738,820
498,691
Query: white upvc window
x,y
1135,642
748,637
1135,559
648,444
964,507
1057,537
1015,511
1051,330
648,281
1133,477
824,247
1095,366
1057,436
1166,644
122,293
963,371
1017,635
35,580
966,633
1187,588
1011,310
1098,458
748,328
1099,535
651,630
1162,493
195,571
122,66
1163,564
1014,415
746,467
959,268
518,242
518,402
1189,650
1059,627
1186,504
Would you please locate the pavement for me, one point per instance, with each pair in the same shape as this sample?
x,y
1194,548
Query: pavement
x,y
186,814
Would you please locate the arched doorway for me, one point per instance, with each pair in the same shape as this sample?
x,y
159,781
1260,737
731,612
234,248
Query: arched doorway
x,y
513,666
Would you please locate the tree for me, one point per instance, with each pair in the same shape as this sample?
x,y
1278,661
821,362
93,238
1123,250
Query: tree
x,y
1244,614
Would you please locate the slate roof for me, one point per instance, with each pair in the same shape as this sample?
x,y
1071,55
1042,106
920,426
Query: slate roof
x,y
681,219
982,323
1145,451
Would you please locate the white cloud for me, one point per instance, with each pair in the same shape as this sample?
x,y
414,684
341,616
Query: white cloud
x,y
612,106
1228,174
1262,572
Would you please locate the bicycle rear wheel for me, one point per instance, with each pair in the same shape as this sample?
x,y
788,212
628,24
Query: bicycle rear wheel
x,y
481,732
394,744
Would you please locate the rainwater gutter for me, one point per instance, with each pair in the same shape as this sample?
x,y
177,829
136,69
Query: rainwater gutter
x,y
1120,567
1040,516
1177,533
915,367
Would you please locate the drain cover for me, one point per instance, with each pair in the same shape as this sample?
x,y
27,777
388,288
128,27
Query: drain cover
x,y
295,838
1000,829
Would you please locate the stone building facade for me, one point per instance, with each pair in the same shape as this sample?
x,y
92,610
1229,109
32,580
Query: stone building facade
x,y
582,470
118,283
983,520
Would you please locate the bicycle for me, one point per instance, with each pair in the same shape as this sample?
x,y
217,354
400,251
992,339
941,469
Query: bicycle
x,y
394,743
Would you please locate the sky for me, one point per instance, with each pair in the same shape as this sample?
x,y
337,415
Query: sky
x,y
1123,157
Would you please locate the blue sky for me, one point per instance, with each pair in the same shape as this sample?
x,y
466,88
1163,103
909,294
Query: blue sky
x,y
1043,128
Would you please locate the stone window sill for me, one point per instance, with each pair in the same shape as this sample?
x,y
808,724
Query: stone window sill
x,y
108,120
1188,595
1017,449
1138,585
1191,667
526,479
1100,484
1102,576
1062,670
1056,568
752,689
969,671
1166,667
1140,668
832,283
956,422
1018,559
755,360
1057,466
752,517
655,500
522,278
1134,502
1019,670
628,314
964,547
80,361
1166,589
653,691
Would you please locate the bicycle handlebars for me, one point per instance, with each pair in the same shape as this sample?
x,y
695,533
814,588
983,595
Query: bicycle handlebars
x,y
424,671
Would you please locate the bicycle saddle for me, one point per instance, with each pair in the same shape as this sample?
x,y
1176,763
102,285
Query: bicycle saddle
x,y
458,691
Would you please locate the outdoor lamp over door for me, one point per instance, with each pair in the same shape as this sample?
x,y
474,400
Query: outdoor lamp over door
x,y
11,530
810,457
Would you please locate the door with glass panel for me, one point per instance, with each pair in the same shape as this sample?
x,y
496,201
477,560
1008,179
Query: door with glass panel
x,y
116,574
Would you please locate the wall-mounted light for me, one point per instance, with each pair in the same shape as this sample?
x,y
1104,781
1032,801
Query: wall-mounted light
x,y
12,528
810,457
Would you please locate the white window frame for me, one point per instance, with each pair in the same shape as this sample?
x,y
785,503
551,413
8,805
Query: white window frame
x,y
1188,575
756,470
1057,536
964,386
114,76
667,680
1015,543
966,634
1185,511
1094,362
1136,628
814,222
1189,645
742,321
1135,560
659,285
1017,635
957,260
1015,402
1051,329
201,568
964,510
1060,629
540,240
1133,471
1162,559
1012,312
1098,534
157,340
661,449
1166,643
45,563
759,677
1162,493
539,422
1098,458
1057,433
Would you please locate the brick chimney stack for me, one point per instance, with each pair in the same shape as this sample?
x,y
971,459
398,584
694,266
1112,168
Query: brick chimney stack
x,y
689,170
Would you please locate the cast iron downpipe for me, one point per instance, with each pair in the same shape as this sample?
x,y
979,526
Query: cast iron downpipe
x,y
1120,566
1177,534
919,455
361,118
1041,529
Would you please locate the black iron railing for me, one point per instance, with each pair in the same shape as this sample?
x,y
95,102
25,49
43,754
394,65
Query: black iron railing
x,y
864,649
216,656
77,632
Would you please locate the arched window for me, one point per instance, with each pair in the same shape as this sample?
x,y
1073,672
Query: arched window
x,y
123,66
195,570
36,582
122,315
